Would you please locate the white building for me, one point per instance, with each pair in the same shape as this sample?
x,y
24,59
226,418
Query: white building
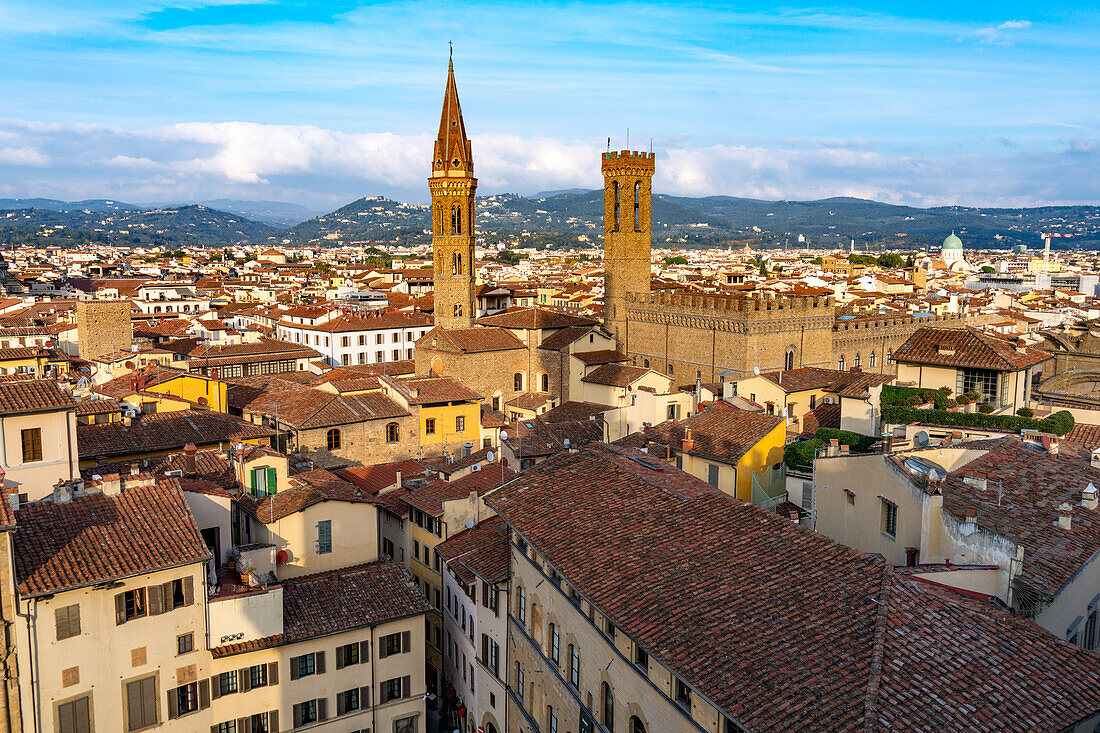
x,y
344,340
170,297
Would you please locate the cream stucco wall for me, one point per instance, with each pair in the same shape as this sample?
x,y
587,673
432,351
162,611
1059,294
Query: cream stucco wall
x,y
354,537
59,451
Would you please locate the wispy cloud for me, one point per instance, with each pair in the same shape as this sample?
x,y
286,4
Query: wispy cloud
x,y
1001,35
324,168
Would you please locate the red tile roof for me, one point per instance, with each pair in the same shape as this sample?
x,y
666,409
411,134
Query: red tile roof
x,y
373,479
615,375
33,395
305,490
479,552
721,433
469,340
847,383
519,317
431,497
164,432
781,628
97,538
968,348
431,390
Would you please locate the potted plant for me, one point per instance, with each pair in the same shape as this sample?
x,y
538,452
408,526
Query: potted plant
x,y
951,404
985,408
231,558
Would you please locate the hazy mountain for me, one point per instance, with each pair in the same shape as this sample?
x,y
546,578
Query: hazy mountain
x,y
56,205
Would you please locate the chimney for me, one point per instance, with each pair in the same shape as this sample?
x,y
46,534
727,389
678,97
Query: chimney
x,y
1088,497
970,521
112,485
687,445
1065,516
397,479
190,459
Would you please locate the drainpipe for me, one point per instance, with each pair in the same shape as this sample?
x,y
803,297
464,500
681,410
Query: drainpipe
x,y
32,643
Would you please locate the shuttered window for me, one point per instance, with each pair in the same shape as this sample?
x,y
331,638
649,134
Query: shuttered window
x,y
68,621
263,481
394,644
141,703
712,475
74,716
32,444
396,689
324,536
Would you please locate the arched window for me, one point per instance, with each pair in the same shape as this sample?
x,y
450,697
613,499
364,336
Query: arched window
x,y
536,621
608,707
645,363
456,219
454,263
615,186
855,362
545,382
889,356
637,204
517,382
636,725
333,439
555,650
521,605
788,362
392,433
871,360
574,667
551,719
840,363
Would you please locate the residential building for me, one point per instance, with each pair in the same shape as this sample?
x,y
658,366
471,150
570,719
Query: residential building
x,y
345,340
38,429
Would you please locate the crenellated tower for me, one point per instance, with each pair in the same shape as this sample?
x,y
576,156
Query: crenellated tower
x,y
452,185
627,234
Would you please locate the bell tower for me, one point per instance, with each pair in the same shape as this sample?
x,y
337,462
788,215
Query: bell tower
x,y
452,186
627,234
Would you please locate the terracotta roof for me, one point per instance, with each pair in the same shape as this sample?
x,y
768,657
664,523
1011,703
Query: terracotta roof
x,y
164,431
304,407
483,551
447,465
615,375
430,497
529,400
603,356
469,340
968,348
710,587
534,318
720,433
1030,485
305,490
535,437
431,390
847,383
33,395
96,538
96,407
373,479
575,410
561,339
1084,435
822,416
349,598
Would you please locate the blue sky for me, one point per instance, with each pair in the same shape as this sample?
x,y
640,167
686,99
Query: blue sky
x,y
318,103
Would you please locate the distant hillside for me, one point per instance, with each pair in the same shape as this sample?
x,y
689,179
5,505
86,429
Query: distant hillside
x,y
715,220
170,227
57,205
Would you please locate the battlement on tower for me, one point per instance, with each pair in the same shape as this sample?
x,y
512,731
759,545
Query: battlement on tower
x,y
621,161
733,305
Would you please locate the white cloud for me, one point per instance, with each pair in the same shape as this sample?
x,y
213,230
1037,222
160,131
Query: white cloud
x,y
1000,35
324,168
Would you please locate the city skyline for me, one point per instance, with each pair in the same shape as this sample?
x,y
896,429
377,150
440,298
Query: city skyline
x,y
320,105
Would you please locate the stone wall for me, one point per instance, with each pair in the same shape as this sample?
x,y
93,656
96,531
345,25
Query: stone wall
x,y
102,327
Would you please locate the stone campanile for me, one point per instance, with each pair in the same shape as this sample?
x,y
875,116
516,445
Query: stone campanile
x,y
452,186
627,233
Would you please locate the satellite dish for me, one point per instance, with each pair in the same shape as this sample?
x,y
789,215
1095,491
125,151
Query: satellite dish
x,y
921,438
756,371
490,457
504,435
469,522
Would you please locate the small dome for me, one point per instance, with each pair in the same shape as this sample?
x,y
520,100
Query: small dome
x,y
952,242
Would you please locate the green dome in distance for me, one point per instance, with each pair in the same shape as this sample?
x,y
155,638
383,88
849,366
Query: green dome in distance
x,y
952,242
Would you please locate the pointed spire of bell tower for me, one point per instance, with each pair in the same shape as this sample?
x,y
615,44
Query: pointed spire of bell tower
x,y
453,154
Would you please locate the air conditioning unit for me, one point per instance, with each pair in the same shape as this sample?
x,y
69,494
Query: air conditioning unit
x,y
174,473
828,400
475,467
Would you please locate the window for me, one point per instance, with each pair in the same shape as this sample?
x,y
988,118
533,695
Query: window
x,y
310,711
712,475
258,676
429,426
263,480
395,689
67,620
889,356
608,707
141,703
609,628
393,433
32,444
519,681
871,360
889,519
574,666
351,700
324,537
74,716
398,643
1090,627
184,700
840,363
641,658
307,664
855,362
379,338
615,192
185,643
345,359
551,719
350,654
227,683
345,341
637,206
333,439
683,693
545,382
517,382
555,651
521,606
460,424
132,603
229,726
788,361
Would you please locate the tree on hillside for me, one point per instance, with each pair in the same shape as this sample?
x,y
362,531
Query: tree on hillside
x,y
891,260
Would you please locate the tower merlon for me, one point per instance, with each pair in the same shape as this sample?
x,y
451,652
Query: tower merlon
x,y
623,160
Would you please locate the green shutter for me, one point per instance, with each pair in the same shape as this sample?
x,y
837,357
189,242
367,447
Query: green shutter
x,y
271,480
252,484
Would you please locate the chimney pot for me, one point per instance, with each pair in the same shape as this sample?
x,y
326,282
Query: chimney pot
x,y
687,444
1065,516
1089,497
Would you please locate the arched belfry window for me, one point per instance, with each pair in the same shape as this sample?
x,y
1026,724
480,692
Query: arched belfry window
x,y
789,361
456,219
637,206
615,185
